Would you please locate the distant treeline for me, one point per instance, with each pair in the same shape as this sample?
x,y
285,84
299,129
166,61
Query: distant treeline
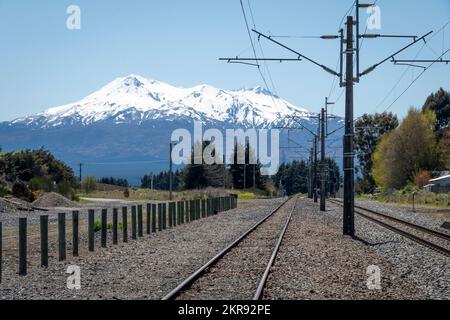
x,y
295,177
200,176
160,181
115,182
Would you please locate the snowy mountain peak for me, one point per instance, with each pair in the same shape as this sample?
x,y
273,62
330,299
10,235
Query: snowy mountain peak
x,y
136,99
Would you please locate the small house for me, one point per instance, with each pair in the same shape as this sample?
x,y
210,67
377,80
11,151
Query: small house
x,y
439,185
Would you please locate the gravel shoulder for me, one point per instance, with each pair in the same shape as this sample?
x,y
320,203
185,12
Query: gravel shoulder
x,y
316,262
424,219
144,269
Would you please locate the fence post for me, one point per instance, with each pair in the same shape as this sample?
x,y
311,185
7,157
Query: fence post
x,y
182,207
125,224
186,211
104,227
203,208
154,217
216,206
43,221
133,223
62,236
192,210
23,246
140,222
91,236
115,225
1,250
170,215
160,226
75,232
174,213
148,221
197,209
164,208
179,212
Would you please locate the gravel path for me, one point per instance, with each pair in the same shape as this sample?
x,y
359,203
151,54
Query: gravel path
x,y
144,269
236,276
316,262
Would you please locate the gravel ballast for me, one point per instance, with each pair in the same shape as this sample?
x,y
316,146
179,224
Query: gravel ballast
x,y
236,276
316,262
144,269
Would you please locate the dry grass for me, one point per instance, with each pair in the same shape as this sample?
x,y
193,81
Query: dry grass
x,y
137,194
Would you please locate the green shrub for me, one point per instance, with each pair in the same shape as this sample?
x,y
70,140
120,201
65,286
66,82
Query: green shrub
x,y
4,191
20,190
97,226
41,184
247,195
89,184
65,188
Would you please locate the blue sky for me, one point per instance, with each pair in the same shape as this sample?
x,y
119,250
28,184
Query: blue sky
x,y
43,64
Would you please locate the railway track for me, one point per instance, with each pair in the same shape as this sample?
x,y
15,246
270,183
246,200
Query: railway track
x,y
370,215
205,270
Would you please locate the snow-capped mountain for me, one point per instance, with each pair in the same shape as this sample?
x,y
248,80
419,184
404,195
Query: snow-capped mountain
x,y
136,99
124,129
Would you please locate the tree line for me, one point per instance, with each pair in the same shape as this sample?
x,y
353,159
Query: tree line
x,y
296,177
199,176
393,155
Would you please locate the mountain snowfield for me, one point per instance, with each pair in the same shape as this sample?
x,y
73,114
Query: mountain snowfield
x,y
135,99
124,129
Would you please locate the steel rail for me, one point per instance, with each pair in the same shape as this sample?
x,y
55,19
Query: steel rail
x,y
262,284
406,223
410,236
172,295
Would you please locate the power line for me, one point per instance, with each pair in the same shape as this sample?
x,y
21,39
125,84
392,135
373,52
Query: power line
x,y
251,42
441,29
415,80
262,54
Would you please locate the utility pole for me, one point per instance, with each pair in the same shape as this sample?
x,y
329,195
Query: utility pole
x,y
349,170
310,180
224,173
254,176
170,172
151,183
245,173
316,162
322,161
351,78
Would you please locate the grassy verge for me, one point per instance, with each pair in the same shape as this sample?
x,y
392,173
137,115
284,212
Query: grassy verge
x,y
421,198
138,194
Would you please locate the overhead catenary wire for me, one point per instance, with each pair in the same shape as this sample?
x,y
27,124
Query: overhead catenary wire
x,y
441,29
274,89
252,44
415,80
254,49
